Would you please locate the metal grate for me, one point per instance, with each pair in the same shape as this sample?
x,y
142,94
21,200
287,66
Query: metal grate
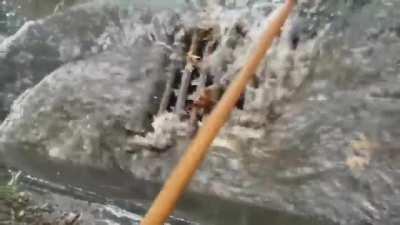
x,y
188,81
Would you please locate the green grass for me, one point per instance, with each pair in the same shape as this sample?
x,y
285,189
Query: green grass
x,y
8,192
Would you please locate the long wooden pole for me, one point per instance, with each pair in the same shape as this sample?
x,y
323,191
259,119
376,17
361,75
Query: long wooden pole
x,y
180,177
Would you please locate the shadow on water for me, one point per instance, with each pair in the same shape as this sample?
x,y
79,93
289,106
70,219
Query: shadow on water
x,y
216,211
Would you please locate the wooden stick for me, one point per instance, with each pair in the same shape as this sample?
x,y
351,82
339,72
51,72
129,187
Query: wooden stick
x,y
180,177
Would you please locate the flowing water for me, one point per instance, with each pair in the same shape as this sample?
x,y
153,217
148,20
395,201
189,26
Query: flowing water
x,y
103,190
113,204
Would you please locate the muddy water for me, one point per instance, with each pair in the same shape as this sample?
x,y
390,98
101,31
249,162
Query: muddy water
x,y
71,190
92,191
34,9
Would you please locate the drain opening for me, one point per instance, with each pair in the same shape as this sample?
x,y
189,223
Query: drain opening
x,y
187,84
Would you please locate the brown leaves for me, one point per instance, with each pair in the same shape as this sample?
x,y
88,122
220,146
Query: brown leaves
x,y
362,151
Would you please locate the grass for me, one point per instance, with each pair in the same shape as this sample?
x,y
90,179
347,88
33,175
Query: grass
x,y
9,191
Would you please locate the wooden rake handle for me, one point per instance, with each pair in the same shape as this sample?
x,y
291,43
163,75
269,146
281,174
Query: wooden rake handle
x,y
180,177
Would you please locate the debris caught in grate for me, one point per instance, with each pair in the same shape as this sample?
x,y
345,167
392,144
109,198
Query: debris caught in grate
x,y
191,91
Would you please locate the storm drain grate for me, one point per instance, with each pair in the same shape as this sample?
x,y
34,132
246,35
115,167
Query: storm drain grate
x,y
186,85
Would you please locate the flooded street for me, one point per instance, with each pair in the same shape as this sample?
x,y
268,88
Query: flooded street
x,y
95,100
